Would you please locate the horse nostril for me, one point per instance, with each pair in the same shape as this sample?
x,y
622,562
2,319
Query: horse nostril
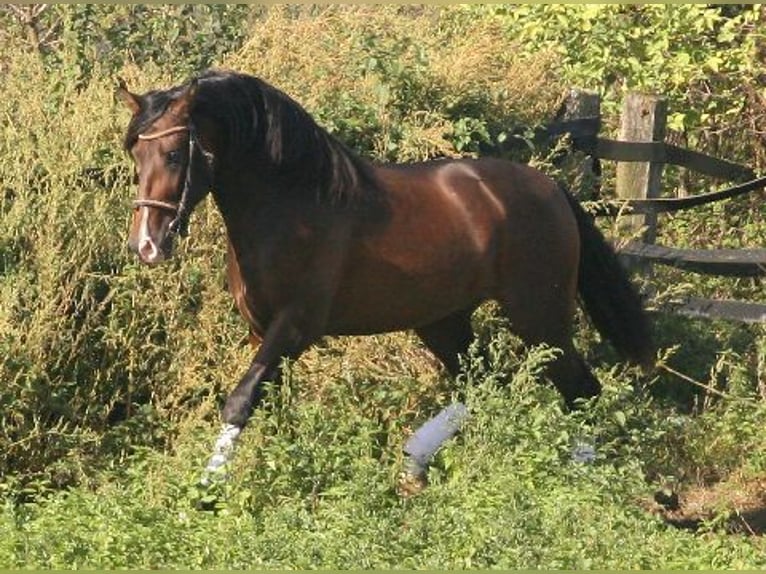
x,y
147,250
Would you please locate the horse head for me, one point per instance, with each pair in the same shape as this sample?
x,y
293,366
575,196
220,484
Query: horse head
x,y
172,170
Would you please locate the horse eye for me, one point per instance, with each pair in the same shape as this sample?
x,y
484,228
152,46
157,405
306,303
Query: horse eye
x,y
173,157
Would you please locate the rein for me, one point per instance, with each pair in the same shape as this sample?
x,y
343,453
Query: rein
x,y
180,223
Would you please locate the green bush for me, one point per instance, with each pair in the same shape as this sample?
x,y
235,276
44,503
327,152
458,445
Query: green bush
x,y
316,488
78,42
706,59
399,86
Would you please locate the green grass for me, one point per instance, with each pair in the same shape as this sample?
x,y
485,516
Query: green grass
x,y
314,486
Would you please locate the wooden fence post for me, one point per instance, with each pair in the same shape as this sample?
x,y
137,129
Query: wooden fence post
x,y
583,104
644,119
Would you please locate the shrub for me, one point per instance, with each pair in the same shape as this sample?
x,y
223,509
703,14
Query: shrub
x,y
402,86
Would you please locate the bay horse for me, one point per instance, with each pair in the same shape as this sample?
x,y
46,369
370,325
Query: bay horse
x,y
323,242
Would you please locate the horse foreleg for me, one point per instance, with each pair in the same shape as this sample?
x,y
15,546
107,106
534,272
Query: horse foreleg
x,y
425,442
283,339
448,339
239,406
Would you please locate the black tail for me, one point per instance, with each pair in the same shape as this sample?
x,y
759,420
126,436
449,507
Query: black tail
x,y
608,296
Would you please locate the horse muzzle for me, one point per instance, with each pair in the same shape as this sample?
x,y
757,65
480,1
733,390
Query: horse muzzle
x,y
152,248
150,252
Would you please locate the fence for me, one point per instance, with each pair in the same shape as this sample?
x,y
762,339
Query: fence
x,y
641,153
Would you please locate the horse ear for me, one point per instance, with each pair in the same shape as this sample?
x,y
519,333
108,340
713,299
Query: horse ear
x,y
182,105
129,99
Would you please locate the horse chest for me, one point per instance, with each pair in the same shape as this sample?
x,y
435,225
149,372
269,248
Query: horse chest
x,y
287,269
255,312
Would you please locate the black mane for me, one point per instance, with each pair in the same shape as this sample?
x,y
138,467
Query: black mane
x,y
263,126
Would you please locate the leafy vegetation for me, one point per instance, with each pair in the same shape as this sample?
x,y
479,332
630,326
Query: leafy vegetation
x,y
113,374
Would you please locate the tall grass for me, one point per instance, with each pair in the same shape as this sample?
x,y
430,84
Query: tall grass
x,y
314,485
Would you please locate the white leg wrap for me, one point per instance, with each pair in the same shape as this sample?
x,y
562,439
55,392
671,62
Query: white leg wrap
x,y
584,451
222,451
424,443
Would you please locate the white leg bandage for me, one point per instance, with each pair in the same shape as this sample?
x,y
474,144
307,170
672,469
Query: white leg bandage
x,y
222,451
584,450
428,438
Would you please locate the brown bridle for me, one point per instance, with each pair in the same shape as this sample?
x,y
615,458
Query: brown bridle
x,y
180,222
163,133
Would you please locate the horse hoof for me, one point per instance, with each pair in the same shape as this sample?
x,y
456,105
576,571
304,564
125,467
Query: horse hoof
x,y
206,495
584,452
410,484
206,504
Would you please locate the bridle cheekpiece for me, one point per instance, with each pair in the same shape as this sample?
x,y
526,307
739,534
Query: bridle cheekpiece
x,y
180,223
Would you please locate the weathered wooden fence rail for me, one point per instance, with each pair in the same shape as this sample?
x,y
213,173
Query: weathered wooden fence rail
x,y
639,169
723,262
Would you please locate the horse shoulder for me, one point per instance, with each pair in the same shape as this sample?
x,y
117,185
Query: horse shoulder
x,y
237,287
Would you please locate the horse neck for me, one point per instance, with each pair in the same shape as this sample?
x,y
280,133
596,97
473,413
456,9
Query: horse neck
x,y
238,199
254,209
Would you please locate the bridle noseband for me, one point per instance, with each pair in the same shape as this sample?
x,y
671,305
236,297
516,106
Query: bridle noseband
x,y
180,223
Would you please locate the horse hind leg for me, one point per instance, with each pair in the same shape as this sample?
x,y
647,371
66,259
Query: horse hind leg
x,y
547,317
574,381
447,339
572,377
548,320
